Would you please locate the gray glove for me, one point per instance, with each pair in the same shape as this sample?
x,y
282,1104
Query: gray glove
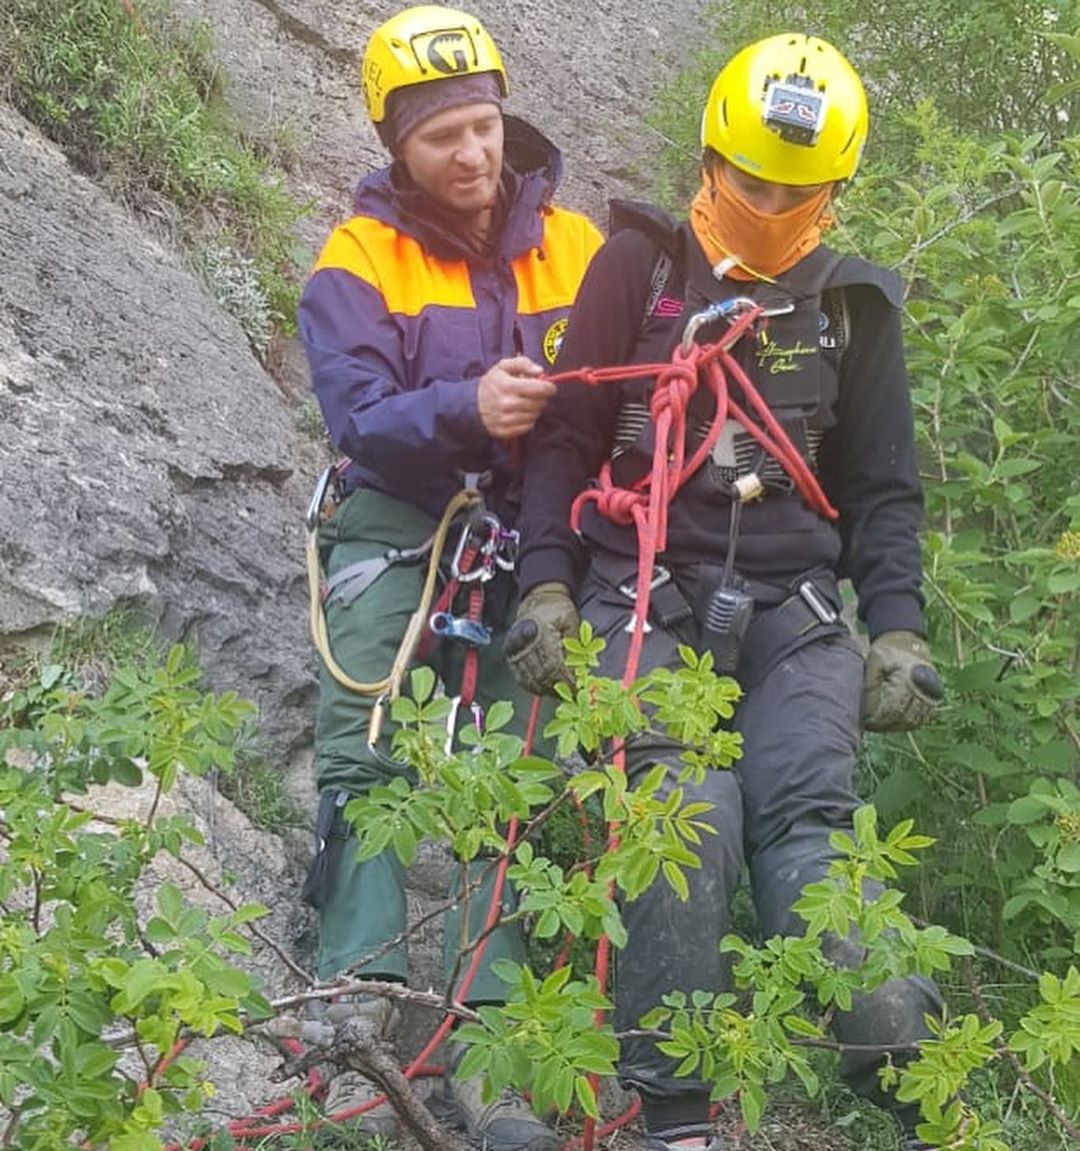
x,y
534,645
900,686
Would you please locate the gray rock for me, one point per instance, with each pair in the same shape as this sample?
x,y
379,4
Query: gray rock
x,y
146,458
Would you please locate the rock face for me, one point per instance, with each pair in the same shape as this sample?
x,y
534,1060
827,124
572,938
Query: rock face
x,y
145,456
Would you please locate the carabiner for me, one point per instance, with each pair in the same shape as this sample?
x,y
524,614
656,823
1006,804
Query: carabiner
x,y
483,529
728,310
447,626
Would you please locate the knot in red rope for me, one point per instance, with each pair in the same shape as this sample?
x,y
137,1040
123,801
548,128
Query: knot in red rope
x,y
616,504
674,388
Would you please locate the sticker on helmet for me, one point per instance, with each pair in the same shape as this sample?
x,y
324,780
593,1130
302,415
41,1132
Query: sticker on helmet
x,y
450,51
553,340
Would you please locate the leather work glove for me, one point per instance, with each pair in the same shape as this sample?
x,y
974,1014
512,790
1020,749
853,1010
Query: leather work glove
x,y
534,644
900,686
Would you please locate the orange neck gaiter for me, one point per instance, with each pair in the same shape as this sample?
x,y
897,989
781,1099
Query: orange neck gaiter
x,y
762,246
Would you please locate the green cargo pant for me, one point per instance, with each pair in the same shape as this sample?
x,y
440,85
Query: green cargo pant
x,y
363,904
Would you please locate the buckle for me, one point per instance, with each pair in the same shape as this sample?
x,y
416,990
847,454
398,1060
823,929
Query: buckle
x,y
816,602
660,576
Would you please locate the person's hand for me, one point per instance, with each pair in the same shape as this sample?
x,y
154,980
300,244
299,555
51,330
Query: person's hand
x,y
512,396
534,645
900,686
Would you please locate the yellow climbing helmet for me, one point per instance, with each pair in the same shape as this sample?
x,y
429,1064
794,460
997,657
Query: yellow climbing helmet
x,y
421,44
789,109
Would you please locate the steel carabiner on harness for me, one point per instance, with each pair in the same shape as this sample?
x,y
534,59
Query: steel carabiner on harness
x,y
729,310
475,534
496,549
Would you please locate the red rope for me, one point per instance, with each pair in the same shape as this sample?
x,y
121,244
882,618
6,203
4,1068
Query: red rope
x,y
645,505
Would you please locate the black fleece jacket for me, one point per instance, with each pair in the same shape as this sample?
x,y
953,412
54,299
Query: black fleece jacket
x,y
866,460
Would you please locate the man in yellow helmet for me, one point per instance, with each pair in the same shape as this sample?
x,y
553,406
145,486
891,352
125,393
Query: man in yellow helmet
x,y
751,566
427,321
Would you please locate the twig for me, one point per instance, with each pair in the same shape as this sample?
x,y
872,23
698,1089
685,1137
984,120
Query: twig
x,y
259,934
986,953
803,1041
430,999
383,988
11,1128
159,791
965,218
376,1064
1022,1072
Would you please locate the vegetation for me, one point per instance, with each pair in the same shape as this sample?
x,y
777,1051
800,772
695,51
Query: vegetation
x,y
969,190
85,976
135,97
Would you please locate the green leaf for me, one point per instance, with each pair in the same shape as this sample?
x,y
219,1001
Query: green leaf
x,y
1023,607
421,683
752,1105
585,1096
12,1000
1060,583
1068,858
1027,809
126,771
676,879
170,901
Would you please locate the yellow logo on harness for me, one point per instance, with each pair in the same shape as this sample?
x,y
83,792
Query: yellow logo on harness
x,y
553,340
776,359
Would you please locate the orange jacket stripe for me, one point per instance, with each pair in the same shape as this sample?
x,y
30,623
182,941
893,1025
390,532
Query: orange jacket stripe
x,y
551,281
397,267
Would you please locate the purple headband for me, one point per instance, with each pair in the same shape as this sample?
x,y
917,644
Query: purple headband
x,y
407,108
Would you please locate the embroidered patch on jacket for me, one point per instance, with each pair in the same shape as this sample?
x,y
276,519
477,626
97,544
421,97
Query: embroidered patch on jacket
x,y
668,306
553,340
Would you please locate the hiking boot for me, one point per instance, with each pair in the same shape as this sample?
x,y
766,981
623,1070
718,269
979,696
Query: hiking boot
x,y
370,1018
684,1139
507,1123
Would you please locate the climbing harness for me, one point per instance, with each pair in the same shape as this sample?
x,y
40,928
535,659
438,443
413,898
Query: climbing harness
x,y
389,687
484,549
645,504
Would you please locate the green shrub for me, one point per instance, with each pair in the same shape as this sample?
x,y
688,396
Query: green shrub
x,y
133,95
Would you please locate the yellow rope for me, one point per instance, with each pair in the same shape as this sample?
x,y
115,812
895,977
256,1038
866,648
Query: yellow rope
x,y
390,685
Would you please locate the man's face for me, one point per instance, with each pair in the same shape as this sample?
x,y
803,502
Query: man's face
x,y
769,198
456,156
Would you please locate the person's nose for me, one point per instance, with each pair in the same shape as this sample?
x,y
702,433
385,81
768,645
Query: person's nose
x,y
470,151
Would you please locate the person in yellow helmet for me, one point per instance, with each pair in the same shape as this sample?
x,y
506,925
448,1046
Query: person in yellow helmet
x,y
752,562
428,319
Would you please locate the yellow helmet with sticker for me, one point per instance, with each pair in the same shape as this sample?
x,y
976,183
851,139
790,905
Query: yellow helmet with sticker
x,y
425,44
790,109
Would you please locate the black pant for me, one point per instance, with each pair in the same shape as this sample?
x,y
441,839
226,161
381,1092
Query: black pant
x,y
774,811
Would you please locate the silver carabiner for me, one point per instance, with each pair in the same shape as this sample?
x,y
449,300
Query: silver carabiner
x,y
727,310
484,570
